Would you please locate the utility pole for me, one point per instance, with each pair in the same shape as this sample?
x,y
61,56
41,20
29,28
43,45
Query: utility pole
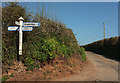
x,y
104,30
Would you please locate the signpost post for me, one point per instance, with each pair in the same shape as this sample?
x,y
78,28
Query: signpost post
x,y
20,35
23,26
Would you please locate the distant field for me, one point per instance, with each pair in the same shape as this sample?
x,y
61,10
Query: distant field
x,y
108,47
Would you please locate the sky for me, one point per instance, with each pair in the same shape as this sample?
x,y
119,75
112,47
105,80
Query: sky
x,y
84,18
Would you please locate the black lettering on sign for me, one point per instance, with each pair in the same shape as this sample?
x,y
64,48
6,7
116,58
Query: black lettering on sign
x,y
29,24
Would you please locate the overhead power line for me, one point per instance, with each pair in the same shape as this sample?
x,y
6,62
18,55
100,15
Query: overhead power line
x,y
104,29
115,18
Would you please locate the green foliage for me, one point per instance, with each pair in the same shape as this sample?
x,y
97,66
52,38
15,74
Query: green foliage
x,y
12,74
45,51
108,47
82,53
43,44
5,77
29,63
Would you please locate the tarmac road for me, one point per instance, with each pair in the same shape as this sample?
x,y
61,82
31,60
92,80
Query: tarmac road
x,y
98,69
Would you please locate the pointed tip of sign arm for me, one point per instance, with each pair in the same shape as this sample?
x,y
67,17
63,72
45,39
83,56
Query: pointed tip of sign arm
x,y
38,24
9,28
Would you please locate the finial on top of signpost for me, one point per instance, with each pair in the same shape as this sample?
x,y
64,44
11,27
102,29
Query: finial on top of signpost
x,y
21,18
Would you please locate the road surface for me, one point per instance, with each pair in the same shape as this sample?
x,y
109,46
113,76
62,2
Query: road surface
x,y
98,69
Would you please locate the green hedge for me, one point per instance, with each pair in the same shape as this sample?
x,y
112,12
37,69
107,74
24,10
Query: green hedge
x,y
43,44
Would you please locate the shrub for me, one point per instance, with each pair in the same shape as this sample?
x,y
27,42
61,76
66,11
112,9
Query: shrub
x,y
108,47
5,77
43,44
82,53
12,74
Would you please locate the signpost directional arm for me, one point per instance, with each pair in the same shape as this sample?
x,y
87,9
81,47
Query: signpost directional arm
x,y
31,24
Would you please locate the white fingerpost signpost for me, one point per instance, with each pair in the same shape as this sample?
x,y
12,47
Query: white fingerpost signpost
x,y
20,35
23,26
